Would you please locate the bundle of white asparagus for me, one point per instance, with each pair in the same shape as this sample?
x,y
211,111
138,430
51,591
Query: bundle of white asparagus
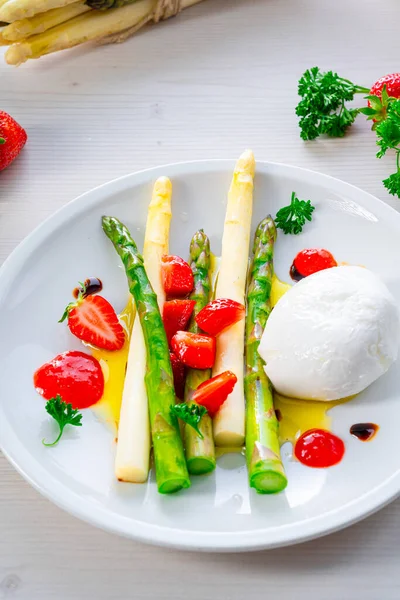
x,y
34,28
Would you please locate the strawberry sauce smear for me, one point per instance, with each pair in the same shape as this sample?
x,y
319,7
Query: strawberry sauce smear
x,y
319,449
77,377
309,261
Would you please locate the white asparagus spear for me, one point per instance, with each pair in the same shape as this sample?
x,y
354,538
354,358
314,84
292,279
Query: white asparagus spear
x,y
104,26
229,423
24,9
133,448
92,25
23,28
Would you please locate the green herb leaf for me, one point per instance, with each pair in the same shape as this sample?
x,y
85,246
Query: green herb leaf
x,y
388,133
190,414
322,108
392,184
64,414
291,219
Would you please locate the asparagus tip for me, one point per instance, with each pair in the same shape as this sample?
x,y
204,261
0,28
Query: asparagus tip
x,y
108,223
18,54
246,163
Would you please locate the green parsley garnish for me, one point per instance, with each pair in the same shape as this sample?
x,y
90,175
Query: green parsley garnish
x,y
322,108
190,414
291,219
388,132
64,414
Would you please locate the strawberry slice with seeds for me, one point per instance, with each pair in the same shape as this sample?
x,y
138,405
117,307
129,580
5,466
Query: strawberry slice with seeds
x,y
220,314
177,276
93,320
213,392
176,315
194,349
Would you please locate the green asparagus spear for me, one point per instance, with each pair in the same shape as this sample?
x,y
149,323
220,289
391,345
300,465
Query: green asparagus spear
x,y
200,451
266,473
171,470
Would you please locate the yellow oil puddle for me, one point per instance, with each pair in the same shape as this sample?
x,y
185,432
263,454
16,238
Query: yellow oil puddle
x,y
278,289
113,365
297,416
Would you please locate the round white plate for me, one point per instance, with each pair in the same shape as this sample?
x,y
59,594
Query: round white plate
x,y
218,512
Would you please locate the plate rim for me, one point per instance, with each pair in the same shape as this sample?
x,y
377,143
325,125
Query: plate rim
x,y
247,540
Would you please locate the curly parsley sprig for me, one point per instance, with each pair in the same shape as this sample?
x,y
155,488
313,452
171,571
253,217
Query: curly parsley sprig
x,y
292,218
322,108
388,132
190,414
64,414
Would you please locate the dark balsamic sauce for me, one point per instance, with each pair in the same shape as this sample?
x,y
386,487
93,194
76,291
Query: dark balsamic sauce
x,y
364,431
294,273
93,285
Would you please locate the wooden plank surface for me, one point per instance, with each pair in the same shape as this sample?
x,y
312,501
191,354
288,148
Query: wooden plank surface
x,y
219,78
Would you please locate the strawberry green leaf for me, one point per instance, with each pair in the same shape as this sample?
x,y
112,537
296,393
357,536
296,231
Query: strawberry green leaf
x,y
67,310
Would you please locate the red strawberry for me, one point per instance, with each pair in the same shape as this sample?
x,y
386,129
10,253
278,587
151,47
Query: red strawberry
x,y
309,261
94,321
194,350
220,314
213,392
386,87
176,315
392,83
177,276
178,369
12,139
76,376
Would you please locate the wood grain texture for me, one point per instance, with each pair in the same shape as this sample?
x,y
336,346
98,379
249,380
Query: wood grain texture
x,y
220,77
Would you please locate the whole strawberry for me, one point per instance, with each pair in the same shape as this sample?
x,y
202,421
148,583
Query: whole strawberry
x,y
381,94
12,139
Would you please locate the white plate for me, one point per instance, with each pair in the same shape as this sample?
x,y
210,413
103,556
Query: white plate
x,y
219,512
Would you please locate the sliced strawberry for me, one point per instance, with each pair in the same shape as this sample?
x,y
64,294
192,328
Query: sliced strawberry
x,y
93,320
178,369
177,276
176,315
213,392
194,349
220,314
76,376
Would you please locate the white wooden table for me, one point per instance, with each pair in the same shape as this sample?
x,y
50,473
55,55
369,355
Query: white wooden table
x,y
219,78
